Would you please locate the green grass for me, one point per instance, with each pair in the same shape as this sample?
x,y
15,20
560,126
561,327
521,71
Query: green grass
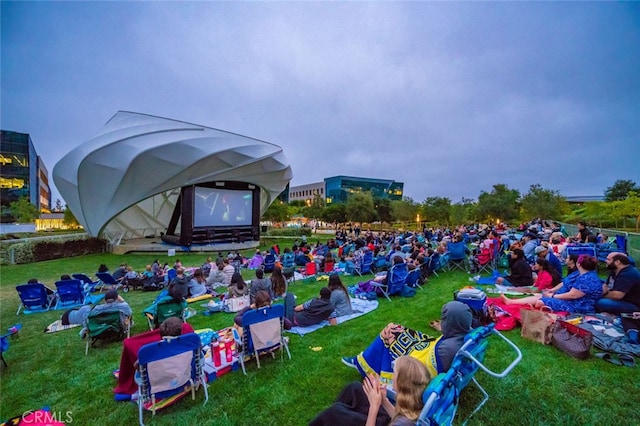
x,y
51,369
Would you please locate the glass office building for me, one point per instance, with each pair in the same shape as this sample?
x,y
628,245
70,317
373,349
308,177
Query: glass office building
x,y
338,188
20,168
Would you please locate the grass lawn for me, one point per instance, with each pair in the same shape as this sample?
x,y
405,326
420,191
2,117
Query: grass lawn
x,y
51,369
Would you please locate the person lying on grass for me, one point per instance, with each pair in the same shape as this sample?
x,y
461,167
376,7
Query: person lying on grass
x,y
360,403
396,340
577,294
112,302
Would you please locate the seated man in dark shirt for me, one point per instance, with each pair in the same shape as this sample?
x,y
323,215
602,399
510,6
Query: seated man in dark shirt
x,y
312,311
621,292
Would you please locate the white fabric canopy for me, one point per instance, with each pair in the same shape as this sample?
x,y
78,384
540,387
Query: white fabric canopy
x,y
124,182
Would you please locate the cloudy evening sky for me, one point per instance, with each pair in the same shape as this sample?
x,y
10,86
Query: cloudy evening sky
x,y
449,98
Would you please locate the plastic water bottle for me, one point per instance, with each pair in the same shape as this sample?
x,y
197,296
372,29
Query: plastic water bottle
x,y
229,351
215,353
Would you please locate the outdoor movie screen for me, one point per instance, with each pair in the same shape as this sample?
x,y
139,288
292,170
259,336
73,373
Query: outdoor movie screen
x,y
222,207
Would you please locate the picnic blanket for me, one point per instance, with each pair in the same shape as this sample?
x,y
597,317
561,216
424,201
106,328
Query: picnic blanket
x,y
610,338
359,306
199,298
57,326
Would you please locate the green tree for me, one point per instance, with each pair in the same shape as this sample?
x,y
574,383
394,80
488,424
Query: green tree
x,y
314,210
384,209
501,203
23,211
437,209
543,203
360,208
620,190
335,213
630,206
277,212
462,211
405,210
69,218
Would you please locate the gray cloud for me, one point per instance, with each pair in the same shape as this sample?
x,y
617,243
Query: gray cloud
x,y
449,98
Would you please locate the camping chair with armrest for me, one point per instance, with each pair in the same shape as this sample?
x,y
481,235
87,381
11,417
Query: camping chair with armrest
x,y
580,249
69,293
269,262
433,264
413,278
106,279
395,281
310,270
289,266
34,298
483,261
106,325
364,263
457,256
262,333
442,396
168,370
164,307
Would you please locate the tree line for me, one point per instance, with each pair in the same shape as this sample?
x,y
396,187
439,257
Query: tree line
x,y
622,204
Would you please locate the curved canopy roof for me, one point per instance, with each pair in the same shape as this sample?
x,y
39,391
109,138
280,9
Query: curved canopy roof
x,y
124,182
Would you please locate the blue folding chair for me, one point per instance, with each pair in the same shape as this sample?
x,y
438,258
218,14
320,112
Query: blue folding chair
x,y
269,262
34,298
262,333
396,279
579,249
69,293
442,396
89,285
4,341
457,256
168,370
413,278
106,279
363,265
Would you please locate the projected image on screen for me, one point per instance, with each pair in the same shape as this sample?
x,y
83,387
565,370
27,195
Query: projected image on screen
x,y
222,207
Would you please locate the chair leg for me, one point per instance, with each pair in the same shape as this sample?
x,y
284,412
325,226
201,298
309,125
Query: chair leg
x,y
5,362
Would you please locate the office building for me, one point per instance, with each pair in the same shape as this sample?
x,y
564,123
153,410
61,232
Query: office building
x,y
22,172
338,188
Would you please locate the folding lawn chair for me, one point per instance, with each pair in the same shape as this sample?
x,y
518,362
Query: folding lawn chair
x,y
581,249
380,263
269,262
396,279
289,266
442,396
413,278
110,325
457,258
106,279
363,265
89,285
262,333
69,293
169,369
310,270
164,307
4,341
34,298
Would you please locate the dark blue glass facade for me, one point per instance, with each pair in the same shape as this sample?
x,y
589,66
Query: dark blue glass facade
x,y
338,188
